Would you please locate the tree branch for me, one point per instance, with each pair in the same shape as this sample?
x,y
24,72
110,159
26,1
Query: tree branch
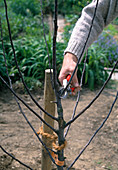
x,y
95,132
71,121
15,158
54,47
19,68
83,50
78,97
27,105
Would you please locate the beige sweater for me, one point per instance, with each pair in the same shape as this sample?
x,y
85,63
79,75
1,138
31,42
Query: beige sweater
x,y
107,11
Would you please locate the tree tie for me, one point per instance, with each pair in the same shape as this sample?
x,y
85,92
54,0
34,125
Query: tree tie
x,y
52,139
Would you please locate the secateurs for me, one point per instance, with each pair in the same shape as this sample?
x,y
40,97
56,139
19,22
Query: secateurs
x,y
69,89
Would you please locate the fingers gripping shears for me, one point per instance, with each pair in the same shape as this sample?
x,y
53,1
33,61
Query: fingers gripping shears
x,y
69,89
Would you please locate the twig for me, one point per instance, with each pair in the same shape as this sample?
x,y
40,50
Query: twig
x,y
17,100
95,132
27,105
19,68
54,47
15,158
42,17
10,82
36,134
100,91
78,97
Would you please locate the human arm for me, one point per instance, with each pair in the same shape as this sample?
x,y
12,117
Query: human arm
x,y
107,10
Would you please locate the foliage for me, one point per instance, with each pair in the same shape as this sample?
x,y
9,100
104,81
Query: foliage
x,y
107,43
95,73
70,22
102,53
65,7
26,8
32,58
115,21
111,29
2,66
21,26
27,33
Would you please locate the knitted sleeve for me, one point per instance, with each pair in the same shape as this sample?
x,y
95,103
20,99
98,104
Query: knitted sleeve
x,y
107,11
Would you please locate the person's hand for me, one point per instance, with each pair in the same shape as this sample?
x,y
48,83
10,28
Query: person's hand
x,y
68,66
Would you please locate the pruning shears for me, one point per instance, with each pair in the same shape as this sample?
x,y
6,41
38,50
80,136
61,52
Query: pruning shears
x,y
69,89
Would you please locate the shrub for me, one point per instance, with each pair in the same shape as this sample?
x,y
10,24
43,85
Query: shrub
x,y
2,67
21,26
107,43
33,60
95,73
64,7
26,8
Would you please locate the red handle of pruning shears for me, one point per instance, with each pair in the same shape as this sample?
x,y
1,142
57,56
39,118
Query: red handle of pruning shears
x,y
68,78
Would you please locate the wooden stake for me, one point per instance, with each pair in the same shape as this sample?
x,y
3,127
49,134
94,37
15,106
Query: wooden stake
x,y
49,106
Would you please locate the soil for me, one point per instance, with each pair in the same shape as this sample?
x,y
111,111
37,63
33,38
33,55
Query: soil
x,y
17,138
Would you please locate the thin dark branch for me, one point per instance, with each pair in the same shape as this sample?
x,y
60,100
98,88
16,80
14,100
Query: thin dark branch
x,y
50,66
10,82
54,47
83,50
81,81
4,54
100,91
27,105
15,158
17,100
19,68
78,97
95,132
36,134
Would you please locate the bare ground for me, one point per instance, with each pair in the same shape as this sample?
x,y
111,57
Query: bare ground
x,y
18,139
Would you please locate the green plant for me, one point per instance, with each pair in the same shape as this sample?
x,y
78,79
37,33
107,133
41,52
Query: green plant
x,y
26,8
2,67
65,7
33,60
109,45
21,25
115,21
111,29
95,73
